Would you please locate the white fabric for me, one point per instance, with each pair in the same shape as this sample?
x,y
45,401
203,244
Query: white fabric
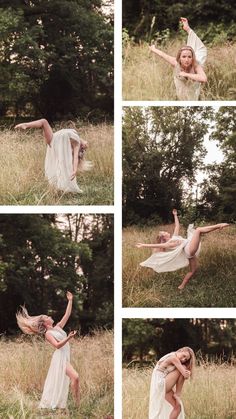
x,y
159,407
187,89
198,47
171,259
59,161
56,386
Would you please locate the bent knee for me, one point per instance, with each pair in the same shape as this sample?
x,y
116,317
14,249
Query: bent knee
x,y
44,121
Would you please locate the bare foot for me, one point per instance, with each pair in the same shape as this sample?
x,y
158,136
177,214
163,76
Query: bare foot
x,y
182,285
21,126
223,225
186,26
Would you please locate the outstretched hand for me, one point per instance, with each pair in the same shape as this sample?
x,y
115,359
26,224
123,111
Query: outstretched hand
x,y
139,245
20,126
152,48
174,211
69,296
185,24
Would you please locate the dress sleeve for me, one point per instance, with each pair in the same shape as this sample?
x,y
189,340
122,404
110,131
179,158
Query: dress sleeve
x,y
198,47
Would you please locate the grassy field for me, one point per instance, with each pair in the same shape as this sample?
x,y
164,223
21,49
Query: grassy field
x,y
147,77
22,180
210,395
212,286
23,368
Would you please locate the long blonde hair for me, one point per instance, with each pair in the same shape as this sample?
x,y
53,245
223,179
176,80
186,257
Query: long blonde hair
x,y
194,60
31,325
190,364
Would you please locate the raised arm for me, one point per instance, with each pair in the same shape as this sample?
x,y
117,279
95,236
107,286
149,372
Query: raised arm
x,y
176,220
67,314
168,245
61,343
168,58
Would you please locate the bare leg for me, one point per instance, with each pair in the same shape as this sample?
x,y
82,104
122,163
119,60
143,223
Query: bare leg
x,y
40,123
193,269
74,377
195,240
175,404
174,378
179,385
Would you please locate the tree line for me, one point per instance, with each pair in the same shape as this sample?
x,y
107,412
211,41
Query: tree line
x,y
43,256
145,19
163,150
150,339
56,59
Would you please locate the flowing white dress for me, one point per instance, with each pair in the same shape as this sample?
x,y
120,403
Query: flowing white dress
x,y
172,259
159,407
56,386
187,89
59,161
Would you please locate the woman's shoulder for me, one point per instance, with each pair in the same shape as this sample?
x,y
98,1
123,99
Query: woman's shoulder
x,y
168,356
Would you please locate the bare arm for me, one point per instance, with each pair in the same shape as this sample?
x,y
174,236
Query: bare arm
x,y
168,58
57,344
75,146
168,245
67,314
176,219
199,76
182,369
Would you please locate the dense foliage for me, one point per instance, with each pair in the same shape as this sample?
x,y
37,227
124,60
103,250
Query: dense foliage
x,y
145,19
163,149
56,59
43,256
153,338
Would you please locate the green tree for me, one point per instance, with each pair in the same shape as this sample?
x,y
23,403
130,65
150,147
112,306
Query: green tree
x,y
43,256
162,151
219,190
57,57
141,17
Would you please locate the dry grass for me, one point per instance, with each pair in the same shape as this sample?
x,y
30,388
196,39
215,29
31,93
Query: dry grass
x,y
24,365
148,77
22,179
212,286
210,395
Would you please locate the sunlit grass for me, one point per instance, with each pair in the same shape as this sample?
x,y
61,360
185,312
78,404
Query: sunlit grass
x,y
22,180
210,395
23,369
212,286
148,77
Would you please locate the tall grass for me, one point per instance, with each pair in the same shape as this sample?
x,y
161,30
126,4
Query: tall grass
x,y
148,77
23,369
212,286
22,180
210,395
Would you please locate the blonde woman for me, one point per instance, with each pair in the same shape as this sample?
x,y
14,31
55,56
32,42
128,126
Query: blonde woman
x,y
172,252
61,372
188,65
65,155
167,381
